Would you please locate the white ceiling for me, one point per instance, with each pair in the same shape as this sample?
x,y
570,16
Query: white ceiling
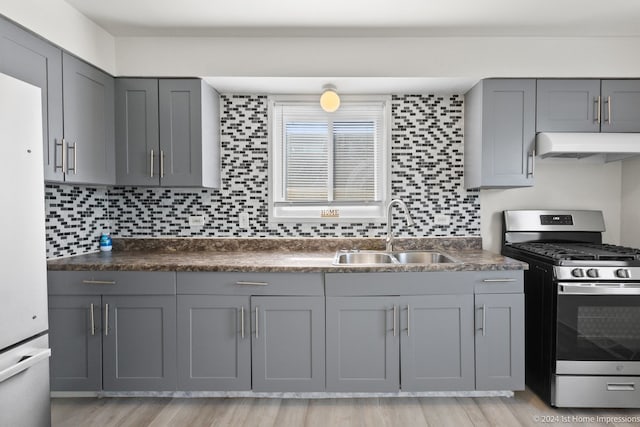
x,y
360,18
364,17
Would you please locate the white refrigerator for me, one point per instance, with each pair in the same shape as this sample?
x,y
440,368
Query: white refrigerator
x,y
24,343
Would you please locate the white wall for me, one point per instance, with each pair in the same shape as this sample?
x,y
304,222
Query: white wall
x,y
374,56
559,184
61,24
630,222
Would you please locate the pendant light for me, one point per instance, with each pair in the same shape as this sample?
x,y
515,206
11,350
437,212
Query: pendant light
x,y
329,100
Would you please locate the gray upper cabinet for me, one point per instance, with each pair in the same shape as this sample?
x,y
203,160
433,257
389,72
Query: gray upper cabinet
x,y
500,117
588,105
167,133
88,123
75,327
33,60
499,341
214,342
621,105
362,344
436,345
568,105
288,346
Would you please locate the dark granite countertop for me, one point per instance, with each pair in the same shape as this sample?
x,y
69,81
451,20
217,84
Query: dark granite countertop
x,y
277,255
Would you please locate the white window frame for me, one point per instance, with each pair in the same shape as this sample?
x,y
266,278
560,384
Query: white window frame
x,y
305,212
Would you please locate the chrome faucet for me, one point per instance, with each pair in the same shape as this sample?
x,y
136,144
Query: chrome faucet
x,y
407,217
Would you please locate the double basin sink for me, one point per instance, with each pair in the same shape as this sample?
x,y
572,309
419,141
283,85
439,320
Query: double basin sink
x,y
380,257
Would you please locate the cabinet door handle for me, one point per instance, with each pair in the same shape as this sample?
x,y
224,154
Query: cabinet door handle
x,y
597,102
257,324
532,156
75,158
93,322
484,319
161,163
99,282
242,321
242,283
395,309
608,110
408,320
57,144
498,280
621,386
106,320
151,163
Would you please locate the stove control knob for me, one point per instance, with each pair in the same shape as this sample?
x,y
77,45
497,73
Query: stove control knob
x,y
592,272
623,273
577,272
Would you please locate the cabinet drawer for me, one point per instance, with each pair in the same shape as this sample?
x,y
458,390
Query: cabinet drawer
x,y
429,283
251,283
111,283
498,282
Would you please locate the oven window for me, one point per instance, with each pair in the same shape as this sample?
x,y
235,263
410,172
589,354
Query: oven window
x,y
598,327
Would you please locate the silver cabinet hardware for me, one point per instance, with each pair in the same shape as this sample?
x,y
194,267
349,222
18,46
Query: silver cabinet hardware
x,y
55,151
99,282
395,309
257,332
75,158
106,320
151,163
242,321
498,280
597,102
484,319
408,320
161,163
243,283
608,110
93,322
621,386
532,156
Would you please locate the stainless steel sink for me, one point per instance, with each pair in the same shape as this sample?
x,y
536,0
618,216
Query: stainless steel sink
x,y
421,257
365,258
404,257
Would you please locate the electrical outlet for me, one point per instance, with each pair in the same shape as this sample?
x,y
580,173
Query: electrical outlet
x,y
243,220
196,220
441,219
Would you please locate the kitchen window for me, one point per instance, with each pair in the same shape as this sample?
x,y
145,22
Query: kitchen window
x,y
328,167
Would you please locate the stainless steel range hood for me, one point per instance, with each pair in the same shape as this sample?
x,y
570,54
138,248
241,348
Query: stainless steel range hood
x,y
614,146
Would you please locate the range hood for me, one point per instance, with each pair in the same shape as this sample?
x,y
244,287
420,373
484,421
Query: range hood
x,y
614,146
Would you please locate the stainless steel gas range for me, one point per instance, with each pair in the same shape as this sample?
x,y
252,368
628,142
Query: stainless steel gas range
x,y
582,308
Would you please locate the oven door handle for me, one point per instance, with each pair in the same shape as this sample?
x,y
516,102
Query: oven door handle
x,y
598,289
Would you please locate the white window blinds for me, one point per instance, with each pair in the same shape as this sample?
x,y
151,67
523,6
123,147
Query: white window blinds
x,y
330,157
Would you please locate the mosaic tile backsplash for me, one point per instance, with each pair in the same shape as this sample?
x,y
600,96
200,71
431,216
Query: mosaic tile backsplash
x,y
426,172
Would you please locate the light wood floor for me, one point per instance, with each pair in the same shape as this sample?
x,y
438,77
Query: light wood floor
x,y
525,409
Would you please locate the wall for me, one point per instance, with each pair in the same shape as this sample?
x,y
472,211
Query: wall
x,y
426,172
61,24
559,184
630,221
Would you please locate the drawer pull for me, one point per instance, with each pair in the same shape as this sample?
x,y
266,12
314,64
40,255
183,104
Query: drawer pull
x,y
498,280
99,282
252,283
621,386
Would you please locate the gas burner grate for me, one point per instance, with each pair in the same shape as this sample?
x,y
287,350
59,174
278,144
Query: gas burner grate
x,y
580,251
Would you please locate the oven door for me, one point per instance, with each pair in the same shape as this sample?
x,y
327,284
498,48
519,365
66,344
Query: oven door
x,y
598,329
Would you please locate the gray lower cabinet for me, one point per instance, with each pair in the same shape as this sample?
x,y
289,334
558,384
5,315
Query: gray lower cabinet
x,y
588,105
113,331
33,60
139,343
75,337
499,130
167,133
413,343
214,342
89,123
499,341
288,345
